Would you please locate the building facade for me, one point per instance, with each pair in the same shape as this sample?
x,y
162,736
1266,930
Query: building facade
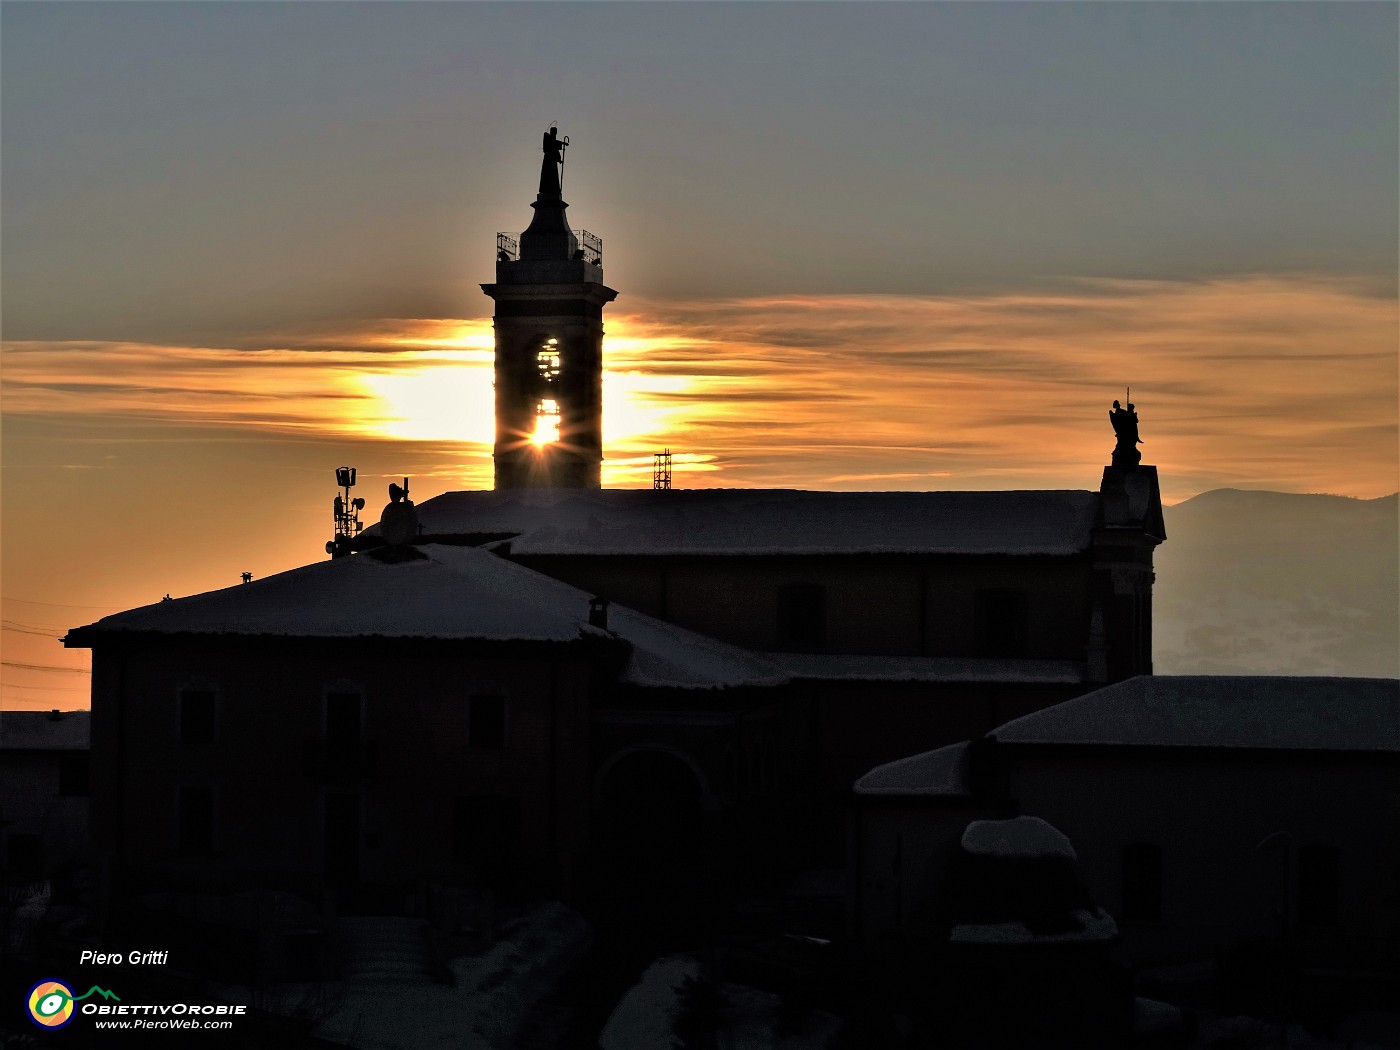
x,y
1208,813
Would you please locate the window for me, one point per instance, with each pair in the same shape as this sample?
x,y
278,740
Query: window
x,y
486,721
1319,883
1142,882
196,718
195,831
73,769
342,725
801,618
999,625
341,837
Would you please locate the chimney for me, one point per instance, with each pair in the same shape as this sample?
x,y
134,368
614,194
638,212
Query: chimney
x,y
55,715
598,613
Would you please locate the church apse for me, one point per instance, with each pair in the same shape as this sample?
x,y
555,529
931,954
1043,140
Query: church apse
x,y
549,296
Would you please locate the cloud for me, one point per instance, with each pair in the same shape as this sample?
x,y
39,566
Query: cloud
x,y
1274,381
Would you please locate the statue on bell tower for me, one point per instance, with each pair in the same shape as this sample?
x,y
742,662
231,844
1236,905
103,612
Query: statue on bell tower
x,y
550,176
549,296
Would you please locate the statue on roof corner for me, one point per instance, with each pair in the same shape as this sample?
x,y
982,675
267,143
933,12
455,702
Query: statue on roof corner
x,y
1125,427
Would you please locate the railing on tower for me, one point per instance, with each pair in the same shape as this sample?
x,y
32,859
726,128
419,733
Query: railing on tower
x,y
591,247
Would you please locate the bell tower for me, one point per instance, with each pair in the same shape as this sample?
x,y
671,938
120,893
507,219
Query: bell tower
x,y
549,296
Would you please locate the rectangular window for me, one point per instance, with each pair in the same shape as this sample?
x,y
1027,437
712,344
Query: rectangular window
x,y
486,721
196,718
73,769
342,726
1319,885
801,618
999,624
1142,882
342,837
196,820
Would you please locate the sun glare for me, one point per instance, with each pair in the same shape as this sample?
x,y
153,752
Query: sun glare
x,y
546,423
450,401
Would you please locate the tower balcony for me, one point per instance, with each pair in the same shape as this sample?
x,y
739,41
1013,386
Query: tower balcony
x,y
590,248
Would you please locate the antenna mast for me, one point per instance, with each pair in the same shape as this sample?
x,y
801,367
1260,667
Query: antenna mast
x,y
345,514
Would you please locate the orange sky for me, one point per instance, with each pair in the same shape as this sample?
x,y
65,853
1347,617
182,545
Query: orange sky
x,y
134,470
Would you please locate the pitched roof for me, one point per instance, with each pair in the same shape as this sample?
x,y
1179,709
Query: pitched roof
x,y
1020,838
1311,714
767,521
835,667
456,593
943,772
41,731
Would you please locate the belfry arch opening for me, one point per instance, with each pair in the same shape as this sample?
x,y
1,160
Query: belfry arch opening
x,y
548,416
547,363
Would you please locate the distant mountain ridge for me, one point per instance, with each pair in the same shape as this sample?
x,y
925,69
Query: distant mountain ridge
x,y
1257,582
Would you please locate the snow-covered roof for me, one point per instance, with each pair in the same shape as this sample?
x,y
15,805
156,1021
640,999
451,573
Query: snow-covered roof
x,y
44,730
841,667
1020,838
767,521
943,772
667,656
456,593
1311,714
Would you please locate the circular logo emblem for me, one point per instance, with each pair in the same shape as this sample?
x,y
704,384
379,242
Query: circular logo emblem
x,y
51,1004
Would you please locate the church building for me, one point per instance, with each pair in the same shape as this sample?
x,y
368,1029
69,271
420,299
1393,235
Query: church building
x,y
534,679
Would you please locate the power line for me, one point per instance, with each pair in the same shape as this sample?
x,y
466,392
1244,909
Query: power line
x,y
34,629
52,668
54,605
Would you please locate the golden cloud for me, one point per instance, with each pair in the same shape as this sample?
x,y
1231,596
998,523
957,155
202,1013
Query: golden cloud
x,y
1283,382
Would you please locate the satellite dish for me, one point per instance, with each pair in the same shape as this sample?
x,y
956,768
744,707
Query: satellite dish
x,y
398,523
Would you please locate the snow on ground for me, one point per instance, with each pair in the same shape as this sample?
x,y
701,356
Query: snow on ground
x,y
1252,1032
648,1016
645,1018
489,1004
